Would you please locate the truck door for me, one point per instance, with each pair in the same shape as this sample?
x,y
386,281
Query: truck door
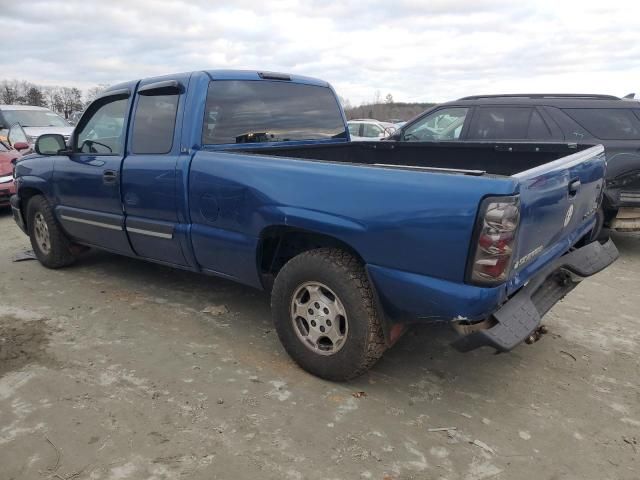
x,y
86,183
149,170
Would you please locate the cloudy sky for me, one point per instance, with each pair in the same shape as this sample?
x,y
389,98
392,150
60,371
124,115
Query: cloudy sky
x,y
417,50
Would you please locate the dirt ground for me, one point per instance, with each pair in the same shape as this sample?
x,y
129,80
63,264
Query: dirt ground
x,y
111,370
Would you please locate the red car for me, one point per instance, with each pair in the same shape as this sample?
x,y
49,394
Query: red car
x,y
8,157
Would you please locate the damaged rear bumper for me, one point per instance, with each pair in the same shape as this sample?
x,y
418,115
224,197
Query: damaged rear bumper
x,y
623,196
521,314
627,219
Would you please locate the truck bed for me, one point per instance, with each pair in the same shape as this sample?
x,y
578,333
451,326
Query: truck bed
x,y
504,159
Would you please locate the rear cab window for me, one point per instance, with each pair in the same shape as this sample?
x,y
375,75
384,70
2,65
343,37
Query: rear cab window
x,y
608,123
253,111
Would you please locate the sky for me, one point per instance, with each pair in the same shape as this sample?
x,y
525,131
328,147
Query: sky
x,y
417,50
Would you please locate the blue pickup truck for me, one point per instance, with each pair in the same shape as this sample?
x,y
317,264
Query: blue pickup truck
x,y
251,176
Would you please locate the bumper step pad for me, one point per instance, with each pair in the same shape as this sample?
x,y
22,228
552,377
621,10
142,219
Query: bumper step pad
x,y
522,313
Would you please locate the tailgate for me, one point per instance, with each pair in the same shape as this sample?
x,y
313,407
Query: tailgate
x,y
558,202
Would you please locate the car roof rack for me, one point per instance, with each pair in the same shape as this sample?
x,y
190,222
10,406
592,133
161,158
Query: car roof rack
x,y
544,95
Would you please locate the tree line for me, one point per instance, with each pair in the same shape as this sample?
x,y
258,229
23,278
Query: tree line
x,y
62,100
384,109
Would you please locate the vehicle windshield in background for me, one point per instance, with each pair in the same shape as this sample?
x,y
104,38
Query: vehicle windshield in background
x,y
34,118
608,123
249,111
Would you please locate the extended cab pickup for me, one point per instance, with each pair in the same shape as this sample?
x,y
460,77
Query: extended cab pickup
x,y
251,176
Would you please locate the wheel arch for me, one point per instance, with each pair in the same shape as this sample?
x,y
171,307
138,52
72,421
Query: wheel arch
x,y
26,193
280,243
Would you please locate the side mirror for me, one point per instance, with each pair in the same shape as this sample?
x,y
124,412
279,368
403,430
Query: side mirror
x,y
21,146
50,144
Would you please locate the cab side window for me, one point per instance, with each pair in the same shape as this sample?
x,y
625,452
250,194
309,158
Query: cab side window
x,y
538,129
372,131
508,123
442,125
354,129
154,123
500,123
103,130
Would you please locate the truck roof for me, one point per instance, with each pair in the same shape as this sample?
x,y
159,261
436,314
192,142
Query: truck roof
x,y
235,75
551,100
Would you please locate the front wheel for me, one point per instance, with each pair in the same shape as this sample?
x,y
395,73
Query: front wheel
x,y
50,244
324,313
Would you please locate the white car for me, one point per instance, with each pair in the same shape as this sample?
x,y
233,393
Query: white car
x,y
362,130
35,121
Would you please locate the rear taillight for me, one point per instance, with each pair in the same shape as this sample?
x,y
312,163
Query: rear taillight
x,y
494,240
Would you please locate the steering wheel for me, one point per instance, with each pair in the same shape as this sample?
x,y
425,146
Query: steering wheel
x,y
91,143
420,135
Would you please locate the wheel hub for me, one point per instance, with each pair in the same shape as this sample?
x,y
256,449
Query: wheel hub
x,y
41,232
319,318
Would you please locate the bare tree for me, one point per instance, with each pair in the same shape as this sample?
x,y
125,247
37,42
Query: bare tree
x,y
346,104
50,96
93,92
71,100
58,103
10,92
388,98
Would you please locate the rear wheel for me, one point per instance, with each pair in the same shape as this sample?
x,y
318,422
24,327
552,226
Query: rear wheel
x,y
50,244
599,232
324,313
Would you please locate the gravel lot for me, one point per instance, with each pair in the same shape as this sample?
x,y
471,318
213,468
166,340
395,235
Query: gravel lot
x,y
110,369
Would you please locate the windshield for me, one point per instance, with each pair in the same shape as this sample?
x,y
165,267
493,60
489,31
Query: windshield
x,y
443,124
34,118
248,111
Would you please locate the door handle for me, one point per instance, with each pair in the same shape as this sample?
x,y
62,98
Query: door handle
x,y
109,177
574,186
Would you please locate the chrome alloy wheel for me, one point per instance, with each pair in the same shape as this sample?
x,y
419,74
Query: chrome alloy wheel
x,y
319,318
41,231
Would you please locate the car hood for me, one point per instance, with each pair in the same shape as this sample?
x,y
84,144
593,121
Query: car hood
x,y
37,131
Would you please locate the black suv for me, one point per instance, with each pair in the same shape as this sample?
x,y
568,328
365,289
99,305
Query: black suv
x,y
598,119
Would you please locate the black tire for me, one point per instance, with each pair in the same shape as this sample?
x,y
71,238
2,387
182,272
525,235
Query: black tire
x,y
599,233
342,273
59,253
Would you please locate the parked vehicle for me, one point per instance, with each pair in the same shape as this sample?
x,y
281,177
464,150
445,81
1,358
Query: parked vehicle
x,y
251,176
33,120
603,119
8,158
367,130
